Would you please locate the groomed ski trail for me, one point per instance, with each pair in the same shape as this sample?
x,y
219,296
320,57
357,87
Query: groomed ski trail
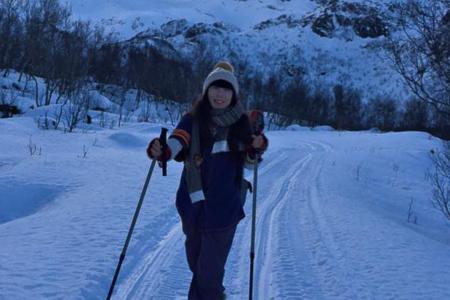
x,y
292,241
163,273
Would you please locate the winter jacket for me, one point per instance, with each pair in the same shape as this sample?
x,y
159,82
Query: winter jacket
x,y
221,175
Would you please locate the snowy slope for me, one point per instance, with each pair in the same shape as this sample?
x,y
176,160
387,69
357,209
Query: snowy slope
x,y
331,218
143,14
271,37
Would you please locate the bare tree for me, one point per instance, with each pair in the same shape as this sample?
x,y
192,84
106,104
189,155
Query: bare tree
x,y
10,33
74,58
348,107
76,109
382,112
43,22
58,114
321,107
440,180
416,115
421,51
122,101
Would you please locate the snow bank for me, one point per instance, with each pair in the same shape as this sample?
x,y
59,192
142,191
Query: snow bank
x,y
128,140
99,102
20,199
323,128
296,127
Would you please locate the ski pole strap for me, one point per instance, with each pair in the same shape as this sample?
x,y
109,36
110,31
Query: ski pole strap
x,y
163,141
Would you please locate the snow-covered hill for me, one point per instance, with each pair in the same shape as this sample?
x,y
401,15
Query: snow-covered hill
x,y
328,41
130,17
332,217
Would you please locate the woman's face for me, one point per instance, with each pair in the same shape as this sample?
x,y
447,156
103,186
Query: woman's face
x,y
219,97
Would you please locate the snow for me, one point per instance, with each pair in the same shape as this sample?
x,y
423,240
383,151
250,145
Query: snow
x,y
323,128
331,217
343,59
29,199
98,101
296,127
332,213
156,13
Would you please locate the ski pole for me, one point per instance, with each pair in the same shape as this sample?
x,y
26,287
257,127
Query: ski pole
x,y
252,247
162,138
257,124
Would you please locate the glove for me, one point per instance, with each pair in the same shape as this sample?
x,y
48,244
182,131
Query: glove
x,y
251,151
166,153
265,143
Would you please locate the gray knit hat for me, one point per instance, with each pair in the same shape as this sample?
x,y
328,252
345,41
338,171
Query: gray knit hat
x,y
222,71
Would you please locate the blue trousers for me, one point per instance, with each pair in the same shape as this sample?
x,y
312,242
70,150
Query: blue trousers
x,y
207,254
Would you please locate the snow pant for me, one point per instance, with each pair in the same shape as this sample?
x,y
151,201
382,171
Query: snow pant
x,y
207,254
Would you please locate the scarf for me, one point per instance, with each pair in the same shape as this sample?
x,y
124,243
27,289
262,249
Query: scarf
x,y
222,120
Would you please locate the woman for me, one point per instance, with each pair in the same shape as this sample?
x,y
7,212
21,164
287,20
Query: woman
x,y
214,141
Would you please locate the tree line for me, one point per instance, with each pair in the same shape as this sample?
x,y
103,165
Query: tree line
x,y
344,108
40,39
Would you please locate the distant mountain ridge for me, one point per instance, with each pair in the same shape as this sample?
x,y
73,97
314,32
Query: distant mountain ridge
x,y
327,41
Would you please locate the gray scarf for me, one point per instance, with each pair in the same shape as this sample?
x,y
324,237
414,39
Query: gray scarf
x,y
222,119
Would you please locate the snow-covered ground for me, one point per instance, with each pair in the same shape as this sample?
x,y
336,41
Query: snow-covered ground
x,y
331,217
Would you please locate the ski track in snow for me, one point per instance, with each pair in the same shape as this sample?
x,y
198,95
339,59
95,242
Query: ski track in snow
x,y
148,278
164,273
267,248
289,226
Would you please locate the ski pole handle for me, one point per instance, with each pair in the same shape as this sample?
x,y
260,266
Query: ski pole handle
x,y
256,121
163,141
257,125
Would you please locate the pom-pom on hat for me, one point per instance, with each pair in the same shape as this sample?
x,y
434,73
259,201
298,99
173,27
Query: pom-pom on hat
x,y
222,71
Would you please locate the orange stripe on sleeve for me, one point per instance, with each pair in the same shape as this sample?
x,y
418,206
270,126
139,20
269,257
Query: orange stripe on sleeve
x,y
184,135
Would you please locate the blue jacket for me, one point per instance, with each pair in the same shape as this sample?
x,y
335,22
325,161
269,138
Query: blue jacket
x,y
221,175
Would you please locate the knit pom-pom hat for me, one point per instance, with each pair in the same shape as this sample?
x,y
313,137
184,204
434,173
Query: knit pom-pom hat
x,y
222,71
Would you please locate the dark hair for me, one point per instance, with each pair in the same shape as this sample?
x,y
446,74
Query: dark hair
x,y
201,111
239,132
